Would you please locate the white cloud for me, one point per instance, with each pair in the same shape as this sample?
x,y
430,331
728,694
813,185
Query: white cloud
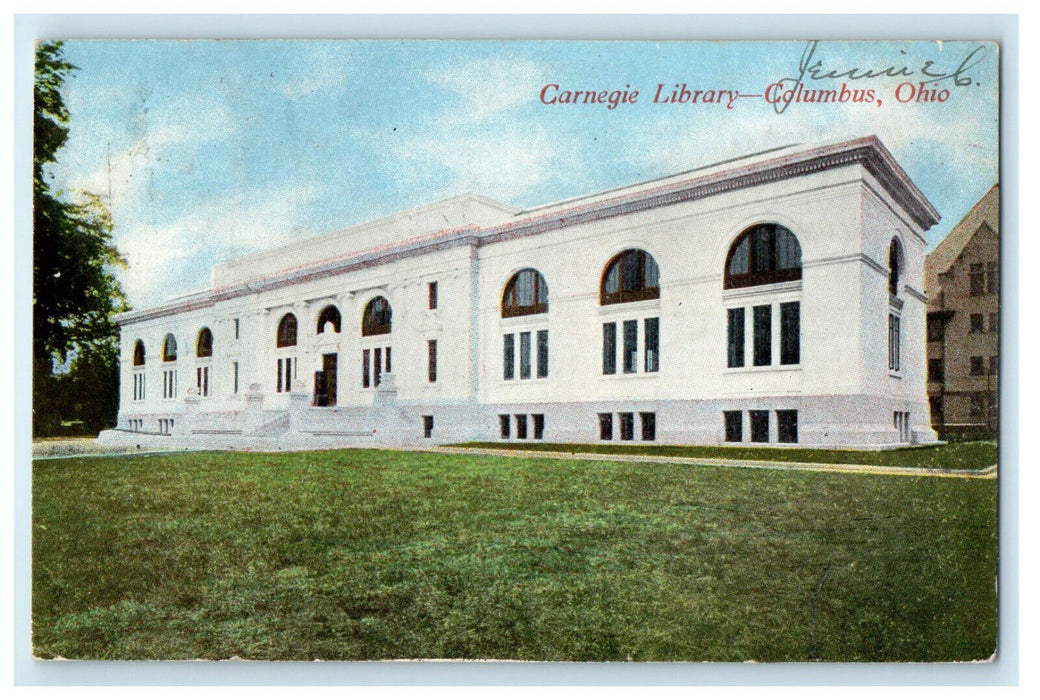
x,y
489,86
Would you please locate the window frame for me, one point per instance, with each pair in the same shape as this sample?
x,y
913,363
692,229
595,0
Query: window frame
x,y
772,274
641,291
511,308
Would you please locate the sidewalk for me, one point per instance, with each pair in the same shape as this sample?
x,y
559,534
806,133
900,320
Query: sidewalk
x,y
985,473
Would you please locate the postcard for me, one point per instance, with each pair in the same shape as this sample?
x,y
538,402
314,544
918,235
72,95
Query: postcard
x,y
516,350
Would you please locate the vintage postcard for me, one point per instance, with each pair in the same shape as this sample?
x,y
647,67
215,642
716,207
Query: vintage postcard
x,y
516,350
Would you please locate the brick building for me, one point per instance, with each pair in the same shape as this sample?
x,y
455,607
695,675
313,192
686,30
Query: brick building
x,y
962,281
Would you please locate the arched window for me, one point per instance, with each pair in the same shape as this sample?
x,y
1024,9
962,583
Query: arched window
x,y
895,266
330,314
376,320
204,343
169,348
138,354
632,275
763,254
286,332
526,293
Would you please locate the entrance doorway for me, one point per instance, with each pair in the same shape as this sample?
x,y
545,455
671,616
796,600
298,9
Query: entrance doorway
x,y
328,366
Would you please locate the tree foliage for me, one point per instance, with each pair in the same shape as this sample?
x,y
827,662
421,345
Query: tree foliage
x,y
75,293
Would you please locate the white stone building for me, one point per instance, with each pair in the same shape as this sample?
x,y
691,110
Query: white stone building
x,y
771,299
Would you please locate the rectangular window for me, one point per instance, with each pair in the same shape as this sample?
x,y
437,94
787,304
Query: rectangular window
x,y
170,384
935,369
543,353
787,426
202,380
935,405
977,276
508,351
627,422
994,364
539,425
977,368
977,405
763,320
651,327
992,279
234,374
431,291
525,355
935,329
278,388
431,360
648,423
734,426
377,366
994,322
288,373
759,426
735,337
606,426
427,426
790,319
503,425
366,377
893,342
387,350
631,349
236,329
521,426
609,349
977,323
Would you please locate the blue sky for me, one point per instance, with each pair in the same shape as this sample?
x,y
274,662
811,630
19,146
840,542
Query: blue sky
x,y
214,149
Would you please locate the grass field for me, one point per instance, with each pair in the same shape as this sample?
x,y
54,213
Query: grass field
x,y
961,455
390,555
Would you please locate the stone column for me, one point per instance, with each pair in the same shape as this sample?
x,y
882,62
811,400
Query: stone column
x,y
184,426
299,402
254,413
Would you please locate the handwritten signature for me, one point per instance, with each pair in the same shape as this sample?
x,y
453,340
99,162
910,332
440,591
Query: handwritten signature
x,y
812,67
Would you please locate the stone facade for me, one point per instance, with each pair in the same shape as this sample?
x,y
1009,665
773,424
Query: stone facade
x,y
754,300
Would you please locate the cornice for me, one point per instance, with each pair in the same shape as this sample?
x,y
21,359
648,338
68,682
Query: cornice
x,y
867,151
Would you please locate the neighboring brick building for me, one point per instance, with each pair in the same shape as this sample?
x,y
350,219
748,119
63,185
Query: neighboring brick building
x,y
962,281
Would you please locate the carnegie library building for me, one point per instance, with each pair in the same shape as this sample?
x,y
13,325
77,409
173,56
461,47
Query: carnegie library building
x,y
773,299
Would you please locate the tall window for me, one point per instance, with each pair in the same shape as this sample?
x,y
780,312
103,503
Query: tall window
x,y
330,314
431,360
525,293
431,295
139,354
895,266
893,342
735,337
169,349
977,279
609,348
525,355
376,319
543,353
763,330
763,254
992,278
286,337
790,351
632,275
734,426
508,354
631,347
651,343
204,343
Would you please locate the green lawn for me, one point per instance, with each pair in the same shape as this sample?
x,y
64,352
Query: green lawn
x,y
375,555
961,455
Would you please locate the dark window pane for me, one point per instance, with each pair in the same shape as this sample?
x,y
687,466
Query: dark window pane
x,y
977,323
503,425
377,366
365,376
790,351
734,426
377,319
977,277
388,360
432,294
977,369
735,337
759,426
525,355
279,387
763,320
606,426
992,278
935,369
650,343
893,342
543,353
627,424
286,332
935,329
994,364
648,423
508,343
609,348
431,358
427,426
631,349
787,426
539,425
521,426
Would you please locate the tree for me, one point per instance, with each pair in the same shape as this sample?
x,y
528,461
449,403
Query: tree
x,y
75,292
